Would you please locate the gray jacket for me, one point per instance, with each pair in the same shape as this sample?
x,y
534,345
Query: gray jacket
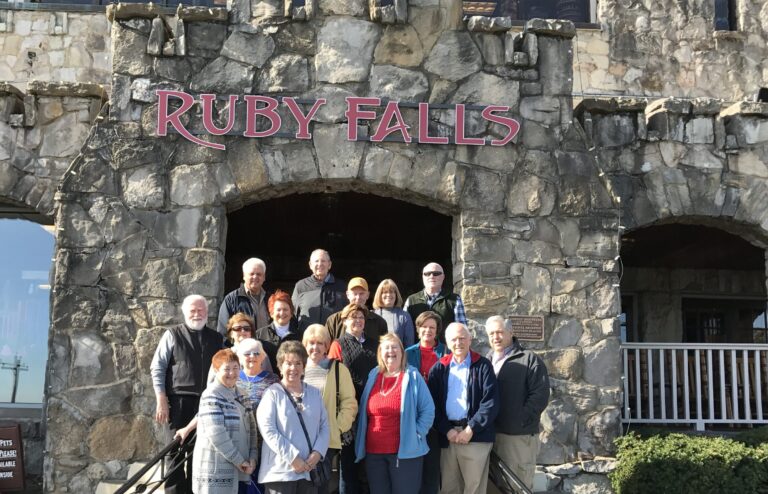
x,y
314,301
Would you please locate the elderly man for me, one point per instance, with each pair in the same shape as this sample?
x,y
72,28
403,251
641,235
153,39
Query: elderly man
x,y
464,390
319,295
357,293
250,298
445,303
178,369
524,392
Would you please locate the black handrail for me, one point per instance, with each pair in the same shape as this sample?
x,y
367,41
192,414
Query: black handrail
x,y
504,478
183,450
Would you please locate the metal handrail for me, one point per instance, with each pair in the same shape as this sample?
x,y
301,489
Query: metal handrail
x,y
183,450
697,346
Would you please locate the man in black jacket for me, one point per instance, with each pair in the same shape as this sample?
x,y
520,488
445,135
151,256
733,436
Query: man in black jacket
x,y
249,298
523,391
179,370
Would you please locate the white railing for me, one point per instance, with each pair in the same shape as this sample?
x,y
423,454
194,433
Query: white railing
x,y
691,383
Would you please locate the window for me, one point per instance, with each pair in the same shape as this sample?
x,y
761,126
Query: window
x,y
627,320
725,15
577,11
26,250
724,320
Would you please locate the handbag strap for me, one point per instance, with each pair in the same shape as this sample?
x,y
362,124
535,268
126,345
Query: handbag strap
x,y
338,397
301,419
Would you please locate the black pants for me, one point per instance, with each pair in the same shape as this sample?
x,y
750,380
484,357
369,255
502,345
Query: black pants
x,y
181,409
430,476
389,475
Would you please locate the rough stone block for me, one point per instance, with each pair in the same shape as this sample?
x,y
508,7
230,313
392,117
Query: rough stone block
x,y
250,49
285,73
565,363
337,157
388,81
193,185
345,49
454,56
399,45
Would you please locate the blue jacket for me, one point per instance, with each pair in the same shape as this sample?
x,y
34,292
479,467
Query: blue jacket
x,y
483,398
413,354
416,415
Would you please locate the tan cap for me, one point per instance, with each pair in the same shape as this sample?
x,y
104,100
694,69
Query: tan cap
x,y
357,282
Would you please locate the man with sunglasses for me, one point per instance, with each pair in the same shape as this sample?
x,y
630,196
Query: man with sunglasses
x,y
446,304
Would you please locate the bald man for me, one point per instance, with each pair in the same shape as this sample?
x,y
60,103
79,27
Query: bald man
x,y
446,304
318,296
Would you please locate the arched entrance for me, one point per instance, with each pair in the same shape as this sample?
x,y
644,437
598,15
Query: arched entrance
x,y
367,235
692,284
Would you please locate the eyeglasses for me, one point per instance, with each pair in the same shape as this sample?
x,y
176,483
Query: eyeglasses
x,y
251,354
432,273
356,318
240,329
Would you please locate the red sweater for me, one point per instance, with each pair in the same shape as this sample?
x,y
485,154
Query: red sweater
x,y
428,359
383,434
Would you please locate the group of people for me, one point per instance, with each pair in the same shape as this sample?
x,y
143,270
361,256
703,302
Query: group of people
x,y
395,395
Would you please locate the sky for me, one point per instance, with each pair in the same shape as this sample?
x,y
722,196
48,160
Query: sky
x,y
26,250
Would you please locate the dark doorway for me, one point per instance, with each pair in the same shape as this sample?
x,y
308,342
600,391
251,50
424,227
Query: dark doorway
x,y
369,236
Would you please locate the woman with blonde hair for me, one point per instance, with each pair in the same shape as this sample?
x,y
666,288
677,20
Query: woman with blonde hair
x,y
396,412
333,380
388,303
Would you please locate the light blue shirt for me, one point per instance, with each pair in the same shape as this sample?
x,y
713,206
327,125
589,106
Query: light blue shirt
x,y
457,405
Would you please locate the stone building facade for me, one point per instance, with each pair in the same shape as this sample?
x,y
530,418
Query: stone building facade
x,y
141,218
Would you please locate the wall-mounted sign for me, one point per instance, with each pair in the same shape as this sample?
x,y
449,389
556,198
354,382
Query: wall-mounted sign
x,y
11,459
391,126
528,328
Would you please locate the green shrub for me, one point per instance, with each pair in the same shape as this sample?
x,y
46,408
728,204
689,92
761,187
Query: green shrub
x,y
753,437
677,463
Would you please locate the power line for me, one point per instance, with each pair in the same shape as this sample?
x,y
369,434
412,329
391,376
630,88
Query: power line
x,y
16,367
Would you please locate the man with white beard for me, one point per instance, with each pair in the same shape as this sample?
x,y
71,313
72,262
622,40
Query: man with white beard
x,y
179,369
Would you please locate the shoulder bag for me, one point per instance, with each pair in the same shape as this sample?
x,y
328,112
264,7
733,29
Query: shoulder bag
x,y
321,474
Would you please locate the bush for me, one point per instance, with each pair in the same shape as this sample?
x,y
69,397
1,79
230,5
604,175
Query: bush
x,y
753,437
677,463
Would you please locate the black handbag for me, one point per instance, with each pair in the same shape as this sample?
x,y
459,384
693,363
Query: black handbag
x,y
349,436
321,474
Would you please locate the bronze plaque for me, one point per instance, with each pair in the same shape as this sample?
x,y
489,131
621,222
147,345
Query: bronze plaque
x,y
11,459
528,328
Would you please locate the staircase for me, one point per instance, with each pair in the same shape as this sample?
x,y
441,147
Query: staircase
x,y
145,483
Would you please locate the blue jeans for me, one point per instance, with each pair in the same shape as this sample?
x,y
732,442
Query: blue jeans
x,y
388,474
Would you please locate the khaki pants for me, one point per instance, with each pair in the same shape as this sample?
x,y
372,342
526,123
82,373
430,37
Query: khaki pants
x,y
464,468
519,453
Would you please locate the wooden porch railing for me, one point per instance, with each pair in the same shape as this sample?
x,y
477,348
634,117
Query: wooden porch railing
x,y
698,384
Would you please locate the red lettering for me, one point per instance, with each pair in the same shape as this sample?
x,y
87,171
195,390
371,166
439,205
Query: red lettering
x,y
384,129
510,123
163,118
267,111
424,137
460,139
208,102
301,119
354,113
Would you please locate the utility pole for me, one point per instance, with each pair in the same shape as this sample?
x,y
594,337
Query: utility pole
x,y
16,367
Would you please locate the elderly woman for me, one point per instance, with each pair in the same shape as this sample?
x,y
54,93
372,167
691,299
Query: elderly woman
x,y
253,380
283,327
294,426
388,303
423,356
225,452
239,327
396,412
333,380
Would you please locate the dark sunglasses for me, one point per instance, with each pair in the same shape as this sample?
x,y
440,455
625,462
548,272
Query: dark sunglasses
x,y
240,329
432,273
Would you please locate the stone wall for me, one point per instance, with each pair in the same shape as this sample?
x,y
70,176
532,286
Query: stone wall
x,y
662,48
41,45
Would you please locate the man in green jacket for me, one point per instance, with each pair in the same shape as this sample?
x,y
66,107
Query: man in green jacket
x,y
446,304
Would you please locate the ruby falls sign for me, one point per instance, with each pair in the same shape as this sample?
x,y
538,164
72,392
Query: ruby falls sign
x,y
263,118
